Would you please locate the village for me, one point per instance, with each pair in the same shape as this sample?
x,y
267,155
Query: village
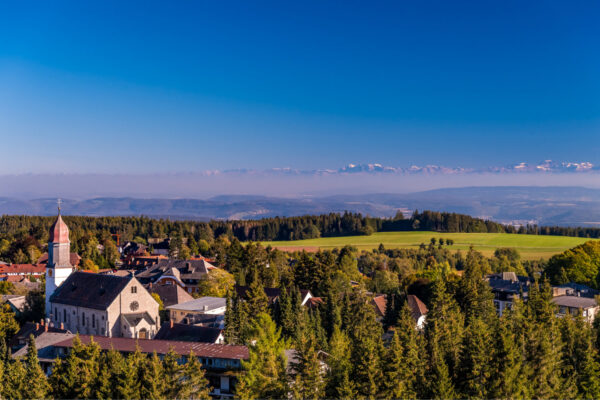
x,y
151,303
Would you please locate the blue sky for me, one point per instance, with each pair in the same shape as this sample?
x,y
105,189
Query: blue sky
x,y
198,85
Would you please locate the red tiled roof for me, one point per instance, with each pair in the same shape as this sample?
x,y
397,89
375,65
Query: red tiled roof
x,y
380,302
23,269
128,345
417,307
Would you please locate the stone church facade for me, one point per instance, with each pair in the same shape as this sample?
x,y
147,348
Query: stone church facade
x,y
94,304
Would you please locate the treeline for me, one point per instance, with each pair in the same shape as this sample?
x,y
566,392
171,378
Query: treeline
x,y
22,238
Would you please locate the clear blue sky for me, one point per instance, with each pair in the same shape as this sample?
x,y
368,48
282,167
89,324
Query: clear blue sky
x,y
114,86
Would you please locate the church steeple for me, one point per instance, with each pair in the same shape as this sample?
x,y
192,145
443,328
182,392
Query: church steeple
x,y
59,265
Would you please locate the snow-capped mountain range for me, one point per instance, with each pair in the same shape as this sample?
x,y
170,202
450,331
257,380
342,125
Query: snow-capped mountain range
x,y
547,166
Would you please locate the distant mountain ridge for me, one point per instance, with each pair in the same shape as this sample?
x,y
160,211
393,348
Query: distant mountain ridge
x,y
566,206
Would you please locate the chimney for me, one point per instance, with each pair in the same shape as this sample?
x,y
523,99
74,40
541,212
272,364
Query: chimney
x,y
150,285
46,328
171,323
37,326
62,325
42,322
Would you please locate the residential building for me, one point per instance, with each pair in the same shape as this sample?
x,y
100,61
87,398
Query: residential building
x,y
187,312
190,333
170,294
573,305
222,362
418,310
506,287
185,273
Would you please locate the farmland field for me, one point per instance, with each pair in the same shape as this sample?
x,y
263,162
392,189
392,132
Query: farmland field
x,y
530,246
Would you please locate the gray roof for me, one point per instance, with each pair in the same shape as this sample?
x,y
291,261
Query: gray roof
x,y
574,301
201,304
83,289
133,319
170,294
45,345
188,269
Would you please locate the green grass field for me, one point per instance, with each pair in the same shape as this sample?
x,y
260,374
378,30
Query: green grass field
x,y
531,247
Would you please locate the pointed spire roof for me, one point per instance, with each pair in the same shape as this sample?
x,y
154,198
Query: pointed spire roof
x,y
59,232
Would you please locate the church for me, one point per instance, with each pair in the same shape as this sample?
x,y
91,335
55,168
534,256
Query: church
x,y
94,304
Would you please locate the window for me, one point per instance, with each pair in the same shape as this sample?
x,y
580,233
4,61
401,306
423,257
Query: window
x,y
64,315
56,314
134,289
93,320
82,319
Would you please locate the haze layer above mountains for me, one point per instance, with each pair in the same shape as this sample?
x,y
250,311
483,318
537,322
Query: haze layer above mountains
x,y
574,206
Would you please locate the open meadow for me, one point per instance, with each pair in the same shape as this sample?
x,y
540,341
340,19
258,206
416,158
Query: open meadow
x,y
530,247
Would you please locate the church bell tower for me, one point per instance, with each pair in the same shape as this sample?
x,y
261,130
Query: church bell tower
x,y
59,265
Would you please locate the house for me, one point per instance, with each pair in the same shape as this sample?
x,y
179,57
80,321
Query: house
x,y
222,362
105,305
272,294
20,271
506,287
46,350
142,262
418,310
32,328
573,305
15,302
190,333
379,303
185,273
170,294
186,312
576,289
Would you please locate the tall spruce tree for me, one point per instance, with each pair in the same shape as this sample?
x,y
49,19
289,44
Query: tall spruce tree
x,y
475,369
37,385
445,327
265,371
194,383
307,372
152,378
339,384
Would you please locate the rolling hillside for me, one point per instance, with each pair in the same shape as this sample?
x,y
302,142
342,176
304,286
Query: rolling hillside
x,y
530,246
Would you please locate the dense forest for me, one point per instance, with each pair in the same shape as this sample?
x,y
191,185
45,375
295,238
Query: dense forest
x,y
465,349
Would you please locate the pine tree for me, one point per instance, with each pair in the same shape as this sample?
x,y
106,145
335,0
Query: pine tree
x,y
194,383
445,327
75,376
258,301
265,372
340,366
37,385
404,369
367,348
172,375
307,370
476,358
15,386
543,344
112,364
152,378
128,383
441,383
509,379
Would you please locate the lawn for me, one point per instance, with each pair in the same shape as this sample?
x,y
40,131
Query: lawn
x,y
530,246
